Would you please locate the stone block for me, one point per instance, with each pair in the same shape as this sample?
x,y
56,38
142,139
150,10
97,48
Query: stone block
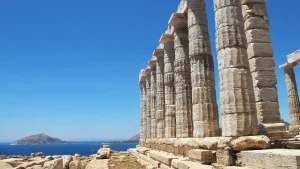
x,y
203,156
258,36
250,142
228,16
262,64
264,79
256,23
273,159
230,36
232,57
162,157
66,161
225,157
259,50
265,94
294,57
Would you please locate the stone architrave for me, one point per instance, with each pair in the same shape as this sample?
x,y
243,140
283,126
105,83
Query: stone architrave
x,y
205,108
152,65
236,90
183,93
169,57
262,67
160,93
143,102
148,103
293,96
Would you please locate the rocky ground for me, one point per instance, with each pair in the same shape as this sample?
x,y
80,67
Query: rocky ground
x,y
104,159
123,160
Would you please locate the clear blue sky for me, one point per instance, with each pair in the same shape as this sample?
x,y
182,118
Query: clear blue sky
x,y
70,68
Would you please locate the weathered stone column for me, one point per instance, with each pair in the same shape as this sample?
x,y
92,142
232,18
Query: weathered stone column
x,y
160,93
234,73
205,108
169,58
183,93
143,103
148,103
152,65
293,96
262,67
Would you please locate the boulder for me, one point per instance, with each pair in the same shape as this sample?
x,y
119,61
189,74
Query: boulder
x,y
103,153
106,146
32,155
66,161
250,143
54,164
75,165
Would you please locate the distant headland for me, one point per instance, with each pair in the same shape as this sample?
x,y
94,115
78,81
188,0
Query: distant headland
x,y
38,139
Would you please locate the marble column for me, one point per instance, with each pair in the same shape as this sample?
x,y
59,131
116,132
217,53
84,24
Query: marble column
x,y
160,93
262,66
293,96
205,108
183,93
148,103
169,57
143,102
152,65
234,73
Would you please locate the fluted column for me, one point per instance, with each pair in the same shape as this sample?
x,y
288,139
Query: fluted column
x,y
160,93
293,96
262,65
183,93
234,73
148,103
205,108
169,85
143,104
152,65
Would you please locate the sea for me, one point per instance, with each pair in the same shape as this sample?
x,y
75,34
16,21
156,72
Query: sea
x,y
84,148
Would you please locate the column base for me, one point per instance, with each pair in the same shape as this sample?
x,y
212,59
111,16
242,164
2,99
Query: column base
x,y
275,131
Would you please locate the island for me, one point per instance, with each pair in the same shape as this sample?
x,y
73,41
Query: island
x,y
38,139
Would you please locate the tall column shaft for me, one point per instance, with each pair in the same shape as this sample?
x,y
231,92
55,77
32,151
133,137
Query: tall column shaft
x,y
160,93
183,93
235,79
205,108
148,103
152,65
169,58
293,98
262,65
142,108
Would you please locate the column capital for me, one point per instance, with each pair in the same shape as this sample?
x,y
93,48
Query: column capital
x,y
177,19
158,52
166,38
288,65
152,63
294,57
142,77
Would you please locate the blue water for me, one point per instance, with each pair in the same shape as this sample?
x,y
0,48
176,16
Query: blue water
x,y
85,149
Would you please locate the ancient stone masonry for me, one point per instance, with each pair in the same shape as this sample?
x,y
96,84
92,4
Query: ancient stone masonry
x,y
234,73
148,103
169,57
179,99
180,110
182,69
262,66
143,104
292,91
160,98
205,109
152,65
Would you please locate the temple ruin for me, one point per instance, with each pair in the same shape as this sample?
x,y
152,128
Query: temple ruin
x,y
179,112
